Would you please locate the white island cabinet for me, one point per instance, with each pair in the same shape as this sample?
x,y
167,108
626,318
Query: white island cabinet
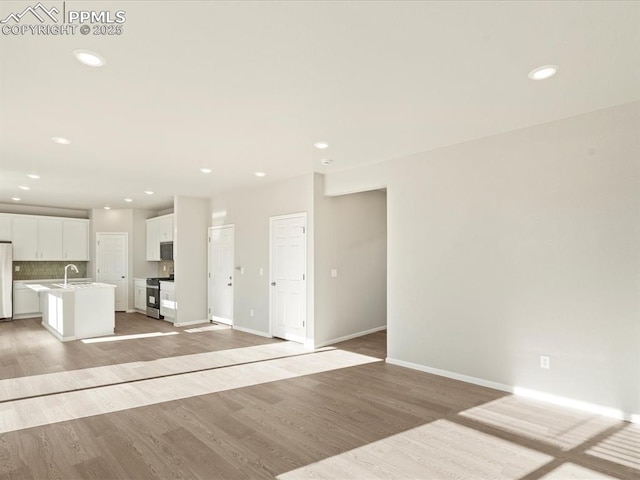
x,y
79,311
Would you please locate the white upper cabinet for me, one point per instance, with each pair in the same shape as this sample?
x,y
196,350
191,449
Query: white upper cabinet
x,y
5,227
159,229
75,240
49,238
166,228
25,238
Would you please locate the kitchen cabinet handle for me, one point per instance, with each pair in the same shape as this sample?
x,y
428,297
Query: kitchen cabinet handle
x,y
273,284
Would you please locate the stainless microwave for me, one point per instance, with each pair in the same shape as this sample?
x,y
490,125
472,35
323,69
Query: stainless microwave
x,y
166,250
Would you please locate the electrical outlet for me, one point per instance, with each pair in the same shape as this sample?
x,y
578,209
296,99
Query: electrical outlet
x,y
545,362
261,272
17,268
334,272
251,312
164,267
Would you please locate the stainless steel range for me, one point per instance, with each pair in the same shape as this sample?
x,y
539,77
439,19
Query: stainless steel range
x,y
153,296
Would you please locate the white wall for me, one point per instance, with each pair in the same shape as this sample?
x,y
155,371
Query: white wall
x,y
190,223
350,237
517,245
249,210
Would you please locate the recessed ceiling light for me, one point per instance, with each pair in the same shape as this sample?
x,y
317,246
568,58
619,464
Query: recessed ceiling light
x,y
205,170
61,140
33,175
91,59
107,208
321,145
326,161
148,192
259,174
16,199
544,72
128,199
24,187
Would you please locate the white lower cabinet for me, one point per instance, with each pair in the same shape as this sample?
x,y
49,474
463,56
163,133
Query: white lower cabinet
x,y
168,304
26,302
140,292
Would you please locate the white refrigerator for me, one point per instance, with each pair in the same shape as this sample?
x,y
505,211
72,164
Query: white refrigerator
x,y
6,281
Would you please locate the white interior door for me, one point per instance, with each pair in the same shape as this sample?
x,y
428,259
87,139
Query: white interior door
x,y
221,264
288,260
111,265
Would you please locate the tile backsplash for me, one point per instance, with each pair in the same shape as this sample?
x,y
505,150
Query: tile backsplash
x,y
47,270
165,268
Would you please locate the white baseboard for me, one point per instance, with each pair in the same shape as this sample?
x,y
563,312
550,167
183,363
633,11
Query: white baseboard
x,y
349,337
224,321
253,332
520,391
453,375
192,322
20,316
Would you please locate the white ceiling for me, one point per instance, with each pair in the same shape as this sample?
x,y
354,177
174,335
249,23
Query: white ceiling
x,y
247,86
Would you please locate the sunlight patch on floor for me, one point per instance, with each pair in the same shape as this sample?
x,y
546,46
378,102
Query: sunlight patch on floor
x,y
623,447
48,383
38,411
441,449
571,471
117,338
563,427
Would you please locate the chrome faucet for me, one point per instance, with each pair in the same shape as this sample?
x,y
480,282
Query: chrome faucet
x,y
65,272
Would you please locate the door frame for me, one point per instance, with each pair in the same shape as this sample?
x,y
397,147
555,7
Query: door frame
x,y
273,219
209,286
126,264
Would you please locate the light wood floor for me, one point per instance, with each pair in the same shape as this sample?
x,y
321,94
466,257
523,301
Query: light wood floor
x,y
277,411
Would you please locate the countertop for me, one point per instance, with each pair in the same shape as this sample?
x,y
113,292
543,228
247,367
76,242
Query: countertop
x,y
55,280
49,284
56,287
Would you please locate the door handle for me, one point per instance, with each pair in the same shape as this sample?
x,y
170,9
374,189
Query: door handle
x,y
273,284
229,284
122,276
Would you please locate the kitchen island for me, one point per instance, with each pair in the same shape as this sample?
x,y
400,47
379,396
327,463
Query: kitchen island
x,y
78,310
